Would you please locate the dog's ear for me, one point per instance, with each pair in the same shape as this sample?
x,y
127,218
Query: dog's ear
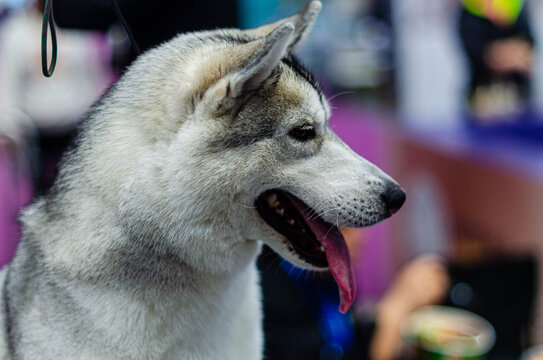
x,y
303,22
271,50
258,59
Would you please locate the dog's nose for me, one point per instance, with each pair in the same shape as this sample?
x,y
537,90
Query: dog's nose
x,y
394,197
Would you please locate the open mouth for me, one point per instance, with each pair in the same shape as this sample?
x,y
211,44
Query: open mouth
x,y
279,210
314,240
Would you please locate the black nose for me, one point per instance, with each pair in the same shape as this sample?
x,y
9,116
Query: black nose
x,y
394,197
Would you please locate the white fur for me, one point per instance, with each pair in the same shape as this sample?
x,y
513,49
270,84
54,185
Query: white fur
x,y
162,178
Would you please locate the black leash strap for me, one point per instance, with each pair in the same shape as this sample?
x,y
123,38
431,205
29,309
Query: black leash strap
x,y
48,21
125,26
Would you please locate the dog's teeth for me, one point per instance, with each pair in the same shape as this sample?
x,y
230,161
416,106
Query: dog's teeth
x,y
322,248
272,200
291,222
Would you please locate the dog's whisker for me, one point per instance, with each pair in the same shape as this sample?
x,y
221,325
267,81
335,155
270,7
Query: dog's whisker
x,y
292,268
331,227
301,274
315,213
341,93
322,213
277,264
246,206
273,264
319,210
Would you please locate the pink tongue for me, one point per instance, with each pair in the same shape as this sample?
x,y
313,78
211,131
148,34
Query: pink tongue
x,y
337,255
338,258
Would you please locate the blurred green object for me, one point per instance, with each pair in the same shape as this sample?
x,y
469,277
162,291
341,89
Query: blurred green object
x,y
503,11
440,332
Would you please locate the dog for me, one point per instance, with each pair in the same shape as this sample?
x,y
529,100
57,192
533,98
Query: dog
x,y
144,248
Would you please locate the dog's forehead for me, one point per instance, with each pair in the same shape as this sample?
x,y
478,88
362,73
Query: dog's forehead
x,y
300,94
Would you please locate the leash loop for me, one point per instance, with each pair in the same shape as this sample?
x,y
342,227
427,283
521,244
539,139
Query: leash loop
x,y
48,21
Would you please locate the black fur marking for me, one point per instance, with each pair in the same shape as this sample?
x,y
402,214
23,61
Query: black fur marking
x,y
297,67
248,128
291,61
240,38
144,267
8,318
238,136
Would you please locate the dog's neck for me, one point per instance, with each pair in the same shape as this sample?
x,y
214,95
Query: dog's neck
x,y
141,256
157,290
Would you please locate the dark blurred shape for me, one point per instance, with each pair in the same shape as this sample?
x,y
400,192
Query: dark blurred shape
x,y
503,292
461,294
296,324
152,22
49,147
499,48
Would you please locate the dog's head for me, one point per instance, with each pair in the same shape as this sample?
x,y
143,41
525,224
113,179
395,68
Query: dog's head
x,y
237,139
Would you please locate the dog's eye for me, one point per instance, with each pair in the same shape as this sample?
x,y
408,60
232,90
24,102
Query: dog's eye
x,y
303,133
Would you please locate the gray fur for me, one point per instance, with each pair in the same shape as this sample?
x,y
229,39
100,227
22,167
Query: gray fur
x,y
145,247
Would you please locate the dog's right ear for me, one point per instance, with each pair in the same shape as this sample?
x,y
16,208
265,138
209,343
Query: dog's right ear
x,y
256,61
303,22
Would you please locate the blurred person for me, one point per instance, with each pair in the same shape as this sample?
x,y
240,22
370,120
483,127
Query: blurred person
x,y
301,320
15,187
498,42
43,112
423,281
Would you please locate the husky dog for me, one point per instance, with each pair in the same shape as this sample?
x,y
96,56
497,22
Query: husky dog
x,y
145,247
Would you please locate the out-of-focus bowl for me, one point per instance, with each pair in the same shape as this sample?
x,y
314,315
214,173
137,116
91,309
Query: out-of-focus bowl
x,y
439,332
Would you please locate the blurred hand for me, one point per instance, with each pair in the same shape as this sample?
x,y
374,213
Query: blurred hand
x,y
509,55
423,281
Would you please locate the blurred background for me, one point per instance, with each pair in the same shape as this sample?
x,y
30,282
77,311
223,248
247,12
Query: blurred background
x,y
444,95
